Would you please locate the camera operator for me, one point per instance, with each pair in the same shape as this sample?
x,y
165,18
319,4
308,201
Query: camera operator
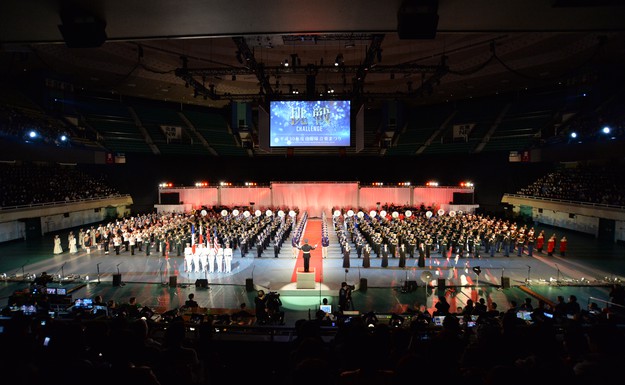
x,y
345,297
276,316
260,303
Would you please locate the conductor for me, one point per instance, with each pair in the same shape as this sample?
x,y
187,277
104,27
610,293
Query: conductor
x,y
306,248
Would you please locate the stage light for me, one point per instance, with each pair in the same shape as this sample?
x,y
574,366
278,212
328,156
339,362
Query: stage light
x,y
32,134
573,134
63,138
606,130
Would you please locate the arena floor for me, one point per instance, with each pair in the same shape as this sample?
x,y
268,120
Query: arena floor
x,y
587,271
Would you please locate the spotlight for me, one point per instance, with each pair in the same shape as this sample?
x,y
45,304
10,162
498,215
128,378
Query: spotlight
x,y
606,130
32,134
573,134
63,138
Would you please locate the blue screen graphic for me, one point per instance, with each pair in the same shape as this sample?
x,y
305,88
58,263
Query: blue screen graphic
x,y
320,123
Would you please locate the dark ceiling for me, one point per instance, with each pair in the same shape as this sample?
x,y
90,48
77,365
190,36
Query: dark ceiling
x,y
481,47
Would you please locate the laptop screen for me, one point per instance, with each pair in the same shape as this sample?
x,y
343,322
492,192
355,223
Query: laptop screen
x,y
524,315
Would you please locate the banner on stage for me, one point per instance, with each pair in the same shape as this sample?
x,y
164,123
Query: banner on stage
x,y
463,130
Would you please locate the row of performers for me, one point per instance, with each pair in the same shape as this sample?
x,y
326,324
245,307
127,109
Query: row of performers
x,y
169,234
462,235
207,258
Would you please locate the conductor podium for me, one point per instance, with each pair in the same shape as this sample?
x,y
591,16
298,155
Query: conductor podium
x,y
305,280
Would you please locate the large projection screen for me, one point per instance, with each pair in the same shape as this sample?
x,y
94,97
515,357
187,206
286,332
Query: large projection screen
x,y
310,123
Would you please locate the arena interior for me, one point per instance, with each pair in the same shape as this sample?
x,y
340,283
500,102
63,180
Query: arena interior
x,y
337,192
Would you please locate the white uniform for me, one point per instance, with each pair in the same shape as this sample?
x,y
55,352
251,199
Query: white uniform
x,y
220,260
58,249
188,257
228,258
196,259
72,245
211,259
203,257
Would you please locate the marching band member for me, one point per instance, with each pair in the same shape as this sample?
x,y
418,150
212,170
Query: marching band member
x,y
196,258
211,258
203,251
188,257
228,258
219,258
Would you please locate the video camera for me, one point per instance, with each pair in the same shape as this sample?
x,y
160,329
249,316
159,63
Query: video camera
x,y
273,298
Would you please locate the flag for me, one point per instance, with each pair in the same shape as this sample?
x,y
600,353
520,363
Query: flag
x,y
216,244
201,239
462,130
172,132
192,235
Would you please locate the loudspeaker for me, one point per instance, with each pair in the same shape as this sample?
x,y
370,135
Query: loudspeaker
x,y
417,19
117,279
363,284
173,280
249,284
80,29
201,283
441,283
505,282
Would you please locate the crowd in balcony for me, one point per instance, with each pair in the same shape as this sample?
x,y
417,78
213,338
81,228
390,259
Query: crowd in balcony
x,y
32,126
589,184
34,184
475,344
